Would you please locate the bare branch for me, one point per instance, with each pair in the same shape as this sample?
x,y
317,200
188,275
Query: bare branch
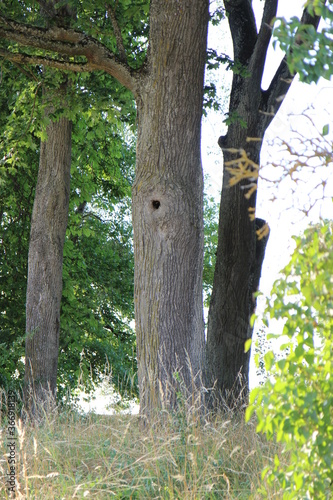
x,y
66,42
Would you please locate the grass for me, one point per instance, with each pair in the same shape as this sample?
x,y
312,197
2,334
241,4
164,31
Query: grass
x,y
178,456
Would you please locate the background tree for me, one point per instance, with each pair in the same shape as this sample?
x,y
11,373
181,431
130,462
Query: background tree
x,y
242,238
97,302
168,189
47,237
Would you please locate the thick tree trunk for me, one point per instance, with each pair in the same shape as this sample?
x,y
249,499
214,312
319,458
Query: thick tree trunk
x,y
44,287
168,204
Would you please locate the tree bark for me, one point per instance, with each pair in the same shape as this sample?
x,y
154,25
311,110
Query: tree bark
x,y
168,190
44,286
168,204
240,253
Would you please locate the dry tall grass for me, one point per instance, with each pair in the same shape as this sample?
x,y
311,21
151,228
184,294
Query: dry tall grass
x,y
177,456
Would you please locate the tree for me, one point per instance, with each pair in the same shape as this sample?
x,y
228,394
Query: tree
x,y
97,299
168,188
168,201
47,238
242,237
48,228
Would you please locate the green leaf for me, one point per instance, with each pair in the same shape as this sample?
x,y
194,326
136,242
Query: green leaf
x,y
247,345
326,130
253,320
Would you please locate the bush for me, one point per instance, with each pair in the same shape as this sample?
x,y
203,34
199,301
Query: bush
x,y
295,406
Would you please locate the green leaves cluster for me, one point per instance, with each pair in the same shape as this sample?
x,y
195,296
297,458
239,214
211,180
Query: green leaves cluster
x,y
18,173
97,304
211,224
309,53
295,406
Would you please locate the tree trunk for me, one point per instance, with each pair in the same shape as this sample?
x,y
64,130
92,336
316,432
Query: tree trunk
x,y
239,259
44,287
168,204
240,252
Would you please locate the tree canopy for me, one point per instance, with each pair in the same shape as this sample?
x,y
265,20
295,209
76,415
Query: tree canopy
x,y
309,52
97,304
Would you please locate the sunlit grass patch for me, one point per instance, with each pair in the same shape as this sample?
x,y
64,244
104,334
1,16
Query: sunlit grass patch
x,y
100,456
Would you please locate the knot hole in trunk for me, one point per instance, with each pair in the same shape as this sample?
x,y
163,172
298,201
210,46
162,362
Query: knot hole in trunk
x,y
156,204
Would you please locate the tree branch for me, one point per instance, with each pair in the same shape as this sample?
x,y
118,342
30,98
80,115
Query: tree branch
x,y
70,43
242,27
117,33
257,63
20,58
273,97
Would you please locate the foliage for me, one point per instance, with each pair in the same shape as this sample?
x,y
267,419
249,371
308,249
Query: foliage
x,y
97,304
93,18
132,20
309,53
295,406
18,173
211,214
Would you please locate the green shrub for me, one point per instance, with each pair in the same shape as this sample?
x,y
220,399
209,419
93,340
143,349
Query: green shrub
x,y
295,406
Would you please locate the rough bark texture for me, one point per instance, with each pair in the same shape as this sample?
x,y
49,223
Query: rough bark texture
x,y
240,253
168,190
168,203
44,287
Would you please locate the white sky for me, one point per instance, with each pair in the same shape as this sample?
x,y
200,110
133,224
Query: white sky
x,y
283,215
